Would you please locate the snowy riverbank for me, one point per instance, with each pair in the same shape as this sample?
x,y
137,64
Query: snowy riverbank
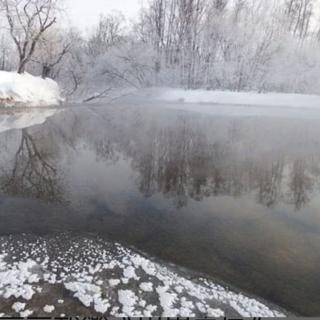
x,y
226,98
233,98
25,90
72,275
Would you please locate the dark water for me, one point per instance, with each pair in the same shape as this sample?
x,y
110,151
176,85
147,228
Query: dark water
x,y
236,197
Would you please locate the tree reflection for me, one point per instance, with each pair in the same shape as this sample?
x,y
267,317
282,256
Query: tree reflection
x,y
32,174
269,183
105,150
186,161
300,184
182,157
166,163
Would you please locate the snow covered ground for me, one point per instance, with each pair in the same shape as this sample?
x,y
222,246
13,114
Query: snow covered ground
x,y
78,275
237,98
27,90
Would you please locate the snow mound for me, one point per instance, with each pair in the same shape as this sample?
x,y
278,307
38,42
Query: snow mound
x,y
27,90
239,98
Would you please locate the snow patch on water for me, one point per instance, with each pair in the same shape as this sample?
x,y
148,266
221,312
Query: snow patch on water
x,y
128,299
18,306
48,309
146,286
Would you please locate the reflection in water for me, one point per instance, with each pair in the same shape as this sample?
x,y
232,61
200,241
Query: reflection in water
x,y
300,183
269,183
105,151
31,173
182,162
187,159
234,197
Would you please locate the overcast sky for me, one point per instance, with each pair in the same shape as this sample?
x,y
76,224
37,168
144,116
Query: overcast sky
x,y
85,13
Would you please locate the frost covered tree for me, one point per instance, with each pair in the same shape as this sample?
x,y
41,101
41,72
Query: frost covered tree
x,y
50,52
200,43
233,45
28,20
6,61
300,13
108,33
212,44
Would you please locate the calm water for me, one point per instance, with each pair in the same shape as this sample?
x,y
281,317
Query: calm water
x,y
236,197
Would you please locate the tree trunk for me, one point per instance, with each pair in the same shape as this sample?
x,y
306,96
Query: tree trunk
x,y
22,66
46,70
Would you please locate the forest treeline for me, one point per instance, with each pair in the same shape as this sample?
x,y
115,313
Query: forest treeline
x,y
238,45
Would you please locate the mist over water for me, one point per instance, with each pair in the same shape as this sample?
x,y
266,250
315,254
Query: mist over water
x,y
235,197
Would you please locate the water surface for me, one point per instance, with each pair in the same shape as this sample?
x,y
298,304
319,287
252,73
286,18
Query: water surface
x,y
233,195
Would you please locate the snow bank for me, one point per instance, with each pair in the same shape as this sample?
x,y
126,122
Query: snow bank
x,y
27,90
239,98
85,267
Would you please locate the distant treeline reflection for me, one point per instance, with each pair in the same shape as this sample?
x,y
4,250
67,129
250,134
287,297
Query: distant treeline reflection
x,y
180,156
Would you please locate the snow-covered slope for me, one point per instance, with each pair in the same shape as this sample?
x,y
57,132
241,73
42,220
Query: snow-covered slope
x,y
27,90
238,98
107,278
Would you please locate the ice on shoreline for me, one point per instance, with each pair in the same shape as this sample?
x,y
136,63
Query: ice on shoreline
x,y
86,268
